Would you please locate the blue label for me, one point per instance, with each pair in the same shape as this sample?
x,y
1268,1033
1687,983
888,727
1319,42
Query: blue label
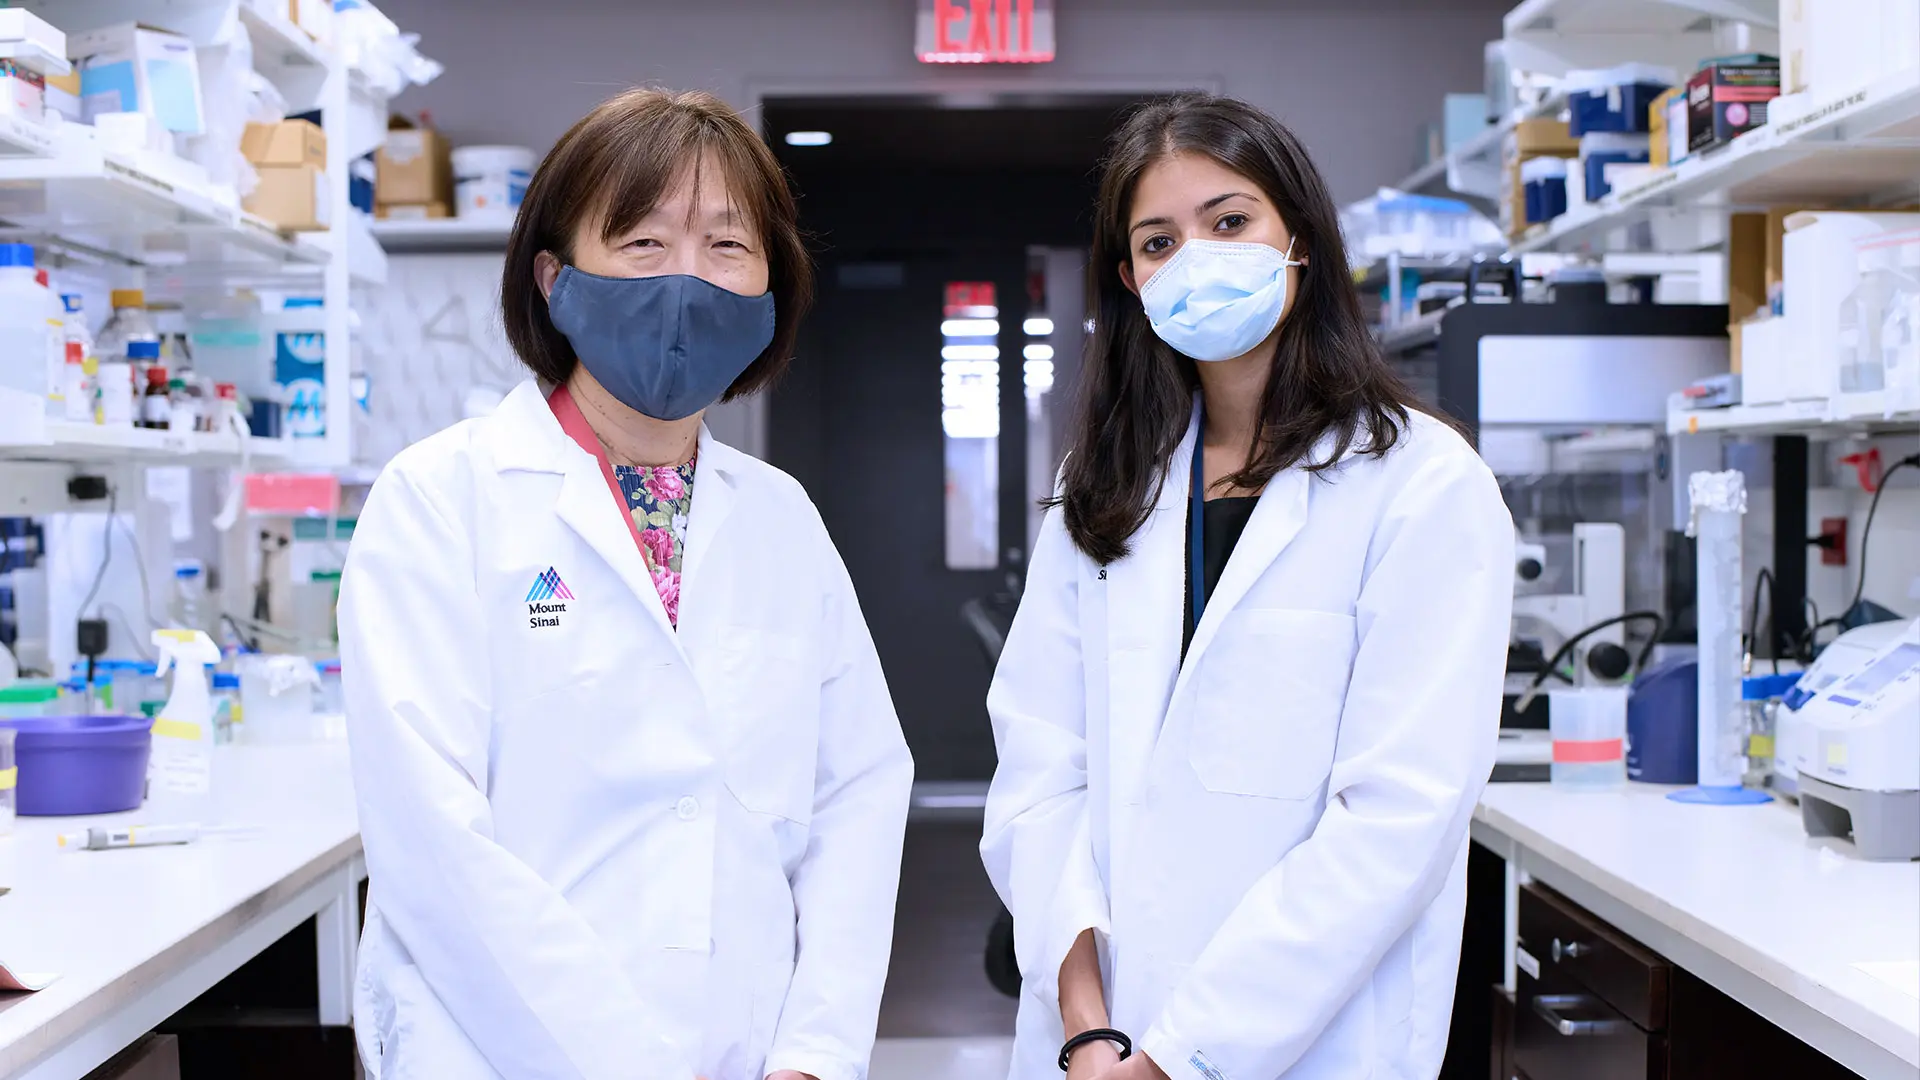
x,y
299,365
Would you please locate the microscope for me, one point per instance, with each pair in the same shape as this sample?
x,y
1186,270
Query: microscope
x,y
1544,622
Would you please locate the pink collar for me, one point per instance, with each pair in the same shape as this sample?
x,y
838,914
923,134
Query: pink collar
x,y
574,423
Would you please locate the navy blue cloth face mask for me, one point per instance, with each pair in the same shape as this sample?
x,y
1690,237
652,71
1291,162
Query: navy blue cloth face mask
x,y
666,346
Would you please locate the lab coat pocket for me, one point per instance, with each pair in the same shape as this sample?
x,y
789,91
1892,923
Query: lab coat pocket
x,y
418,1040
769,699
1270,691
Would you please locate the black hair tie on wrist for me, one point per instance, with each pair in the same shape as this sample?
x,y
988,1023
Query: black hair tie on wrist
x,y
1096,1035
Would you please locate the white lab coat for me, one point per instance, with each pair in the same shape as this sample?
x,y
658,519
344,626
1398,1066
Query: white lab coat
x,y
600,848
1269,840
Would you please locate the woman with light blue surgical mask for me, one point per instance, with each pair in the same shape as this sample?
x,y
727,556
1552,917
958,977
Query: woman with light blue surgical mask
x,y
630,783
1253,688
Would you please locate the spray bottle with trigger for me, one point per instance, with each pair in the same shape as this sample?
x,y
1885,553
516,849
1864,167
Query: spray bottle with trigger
x,y
182,761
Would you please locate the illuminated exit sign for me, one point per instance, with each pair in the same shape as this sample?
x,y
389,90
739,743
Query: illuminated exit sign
x,y
984,31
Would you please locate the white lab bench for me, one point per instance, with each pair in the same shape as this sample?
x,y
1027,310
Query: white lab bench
x,y
1738,896
135,935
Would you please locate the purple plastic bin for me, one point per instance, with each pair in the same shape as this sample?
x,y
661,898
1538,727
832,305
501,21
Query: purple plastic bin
x,y
80,764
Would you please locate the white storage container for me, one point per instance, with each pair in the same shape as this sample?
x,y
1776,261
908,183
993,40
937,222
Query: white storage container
x,y
489,182
1819,268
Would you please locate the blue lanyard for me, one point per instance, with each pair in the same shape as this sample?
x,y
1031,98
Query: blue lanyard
x,y
1197,523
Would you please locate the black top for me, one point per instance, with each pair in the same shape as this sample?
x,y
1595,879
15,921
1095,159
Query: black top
x,y
1225,520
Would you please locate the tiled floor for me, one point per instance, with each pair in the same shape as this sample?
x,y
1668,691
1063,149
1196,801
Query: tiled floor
x,y
941,1059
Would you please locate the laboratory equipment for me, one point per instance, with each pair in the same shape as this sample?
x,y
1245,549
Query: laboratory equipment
x,y
1663,713
79,764
129,325
1589,727
9,780
32,341
29,698
1847,653
1596,589
183,732
190,604
1760,700
107,838
1857,756
276,698
1719,501
1863,363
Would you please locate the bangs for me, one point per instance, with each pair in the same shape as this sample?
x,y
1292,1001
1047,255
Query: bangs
x,y
684,150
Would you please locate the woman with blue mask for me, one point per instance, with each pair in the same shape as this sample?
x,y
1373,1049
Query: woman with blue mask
x,y
631,787
1253,688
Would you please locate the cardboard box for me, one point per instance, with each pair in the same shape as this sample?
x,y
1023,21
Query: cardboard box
x,y
34,39
1667,125
23,93
132,133
1746,267
135,68
63,96
415,212
1727,100
1544,137
413,166
293,197
1795,33
289,142
315,17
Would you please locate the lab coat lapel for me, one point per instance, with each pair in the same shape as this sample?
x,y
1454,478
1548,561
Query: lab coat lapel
x,y
1145,609
713,498
1277,518
590,508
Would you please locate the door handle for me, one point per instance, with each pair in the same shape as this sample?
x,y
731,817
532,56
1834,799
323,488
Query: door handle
x,y
1571,950
1548,1007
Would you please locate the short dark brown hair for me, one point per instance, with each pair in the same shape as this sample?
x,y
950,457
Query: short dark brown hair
x,y
618,161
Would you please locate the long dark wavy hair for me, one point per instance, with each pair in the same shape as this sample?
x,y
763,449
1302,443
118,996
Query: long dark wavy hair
x,y
1136,392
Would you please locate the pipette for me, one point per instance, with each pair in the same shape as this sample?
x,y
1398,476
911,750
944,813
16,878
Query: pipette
x,y
128,836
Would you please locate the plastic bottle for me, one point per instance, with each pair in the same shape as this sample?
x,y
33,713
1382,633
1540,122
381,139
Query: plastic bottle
x,y
56,353
156,405
1900,332
1862,363
76,385
130,323
189,608
181,764
119,402
27,331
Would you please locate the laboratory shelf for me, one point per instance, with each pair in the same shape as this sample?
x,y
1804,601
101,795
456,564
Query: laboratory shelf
x,y
1846,414
1863,144
24,138
278,43
1555,36
121,207
1379,273
441,235
1410,334
74,441
1474,167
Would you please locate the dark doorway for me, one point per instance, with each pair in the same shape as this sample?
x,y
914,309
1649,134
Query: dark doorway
x,y
907,416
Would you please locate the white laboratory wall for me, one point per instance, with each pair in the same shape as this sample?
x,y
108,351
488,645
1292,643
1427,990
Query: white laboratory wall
x,y
1354,78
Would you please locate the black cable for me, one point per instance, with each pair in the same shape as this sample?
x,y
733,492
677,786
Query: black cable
x,y
1639,663
1866,531
106,550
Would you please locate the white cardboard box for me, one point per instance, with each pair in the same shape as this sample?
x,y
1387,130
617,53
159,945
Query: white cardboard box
x,y
1763,355
135,68
1818,270
30,39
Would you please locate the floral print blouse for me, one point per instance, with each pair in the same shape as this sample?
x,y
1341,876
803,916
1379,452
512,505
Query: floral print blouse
x,y
660,498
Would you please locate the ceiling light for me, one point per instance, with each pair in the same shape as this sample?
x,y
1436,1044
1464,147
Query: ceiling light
x,y
809,138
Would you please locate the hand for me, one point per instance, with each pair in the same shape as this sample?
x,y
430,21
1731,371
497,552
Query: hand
x,y
1137,1067
1093,1061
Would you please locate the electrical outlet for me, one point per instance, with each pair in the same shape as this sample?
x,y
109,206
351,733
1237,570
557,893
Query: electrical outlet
x,y
1833,536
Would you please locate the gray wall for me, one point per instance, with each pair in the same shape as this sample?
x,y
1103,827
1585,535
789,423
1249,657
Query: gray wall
x,y
1354,78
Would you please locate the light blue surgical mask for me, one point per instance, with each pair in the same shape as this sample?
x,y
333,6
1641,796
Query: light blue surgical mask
x,y
665,346
1216,300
